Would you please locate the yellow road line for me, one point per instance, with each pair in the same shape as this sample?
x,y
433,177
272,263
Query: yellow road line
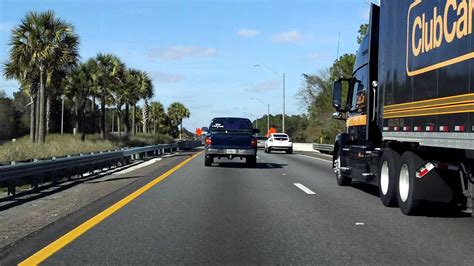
x,y
61,242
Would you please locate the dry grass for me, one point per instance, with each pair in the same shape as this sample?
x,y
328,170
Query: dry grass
x,y
60,145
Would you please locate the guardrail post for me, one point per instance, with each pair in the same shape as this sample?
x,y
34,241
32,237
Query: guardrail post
x,y
34,185
11,189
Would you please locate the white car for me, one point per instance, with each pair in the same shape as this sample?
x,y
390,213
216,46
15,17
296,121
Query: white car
x,y
279,142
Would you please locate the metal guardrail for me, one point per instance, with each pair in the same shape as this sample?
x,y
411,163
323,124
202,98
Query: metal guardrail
x,y
37,172
324,148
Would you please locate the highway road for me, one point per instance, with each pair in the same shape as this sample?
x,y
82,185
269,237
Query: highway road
x,y
288,210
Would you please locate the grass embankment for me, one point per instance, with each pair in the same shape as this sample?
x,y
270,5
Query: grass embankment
x,y
60,145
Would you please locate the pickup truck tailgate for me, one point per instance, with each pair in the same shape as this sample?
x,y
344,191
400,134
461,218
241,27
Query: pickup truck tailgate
x,y
231,140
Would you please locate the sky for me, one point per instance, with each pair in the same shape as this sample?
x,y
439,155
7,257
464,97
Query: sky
x,y
203,53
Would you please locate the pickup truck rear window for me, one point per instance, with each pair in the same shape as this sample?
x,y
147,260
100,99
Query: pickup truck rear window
x,y
280,136
230,124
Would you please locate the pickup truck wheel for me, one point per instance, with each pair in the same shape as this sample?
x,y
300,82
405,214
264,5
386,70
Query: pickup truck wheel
x,y
251,161
388,176
342,180
409,163
208,160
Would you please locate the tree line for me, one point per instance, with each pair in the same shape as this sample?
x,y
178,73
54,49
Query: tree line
x,y
44,59
315,96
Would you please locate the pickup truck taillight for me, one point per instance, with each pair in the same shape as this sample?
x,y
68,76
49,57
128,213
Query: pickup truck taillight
x,y
208,140
253,142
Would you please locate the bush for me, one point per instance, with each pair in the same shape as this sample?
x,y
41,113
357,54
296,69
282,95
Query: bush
x,y
61,145
56,145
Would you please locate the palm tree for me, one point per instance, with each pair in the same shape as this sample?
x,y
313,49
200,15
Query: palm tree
x,y
177,112
145,115
29,81
157,115
140,87
120,92
43,43
78,87
107,71
133,90
146,92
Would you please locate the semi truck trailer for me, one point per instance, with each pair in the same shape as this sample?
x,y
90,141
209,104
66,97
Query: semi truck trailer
x,y
409,106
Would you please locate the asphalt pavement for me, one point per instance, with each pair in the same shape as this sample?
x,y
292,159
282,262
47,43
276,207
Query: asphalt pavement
x,y
288,210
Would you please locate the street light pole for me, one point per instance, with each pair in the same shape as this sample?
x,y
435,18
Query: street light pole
x,y
268,117
276,73
283,118
268,112
62,114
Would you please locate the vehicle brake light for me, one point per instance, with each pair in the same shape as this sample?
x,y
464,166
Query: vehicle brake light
x,y
253,142
208,140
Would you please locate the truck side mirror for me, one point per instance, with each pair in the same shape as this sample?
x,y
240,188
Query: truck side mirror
x,y
338,116
337,95
255,131
205,129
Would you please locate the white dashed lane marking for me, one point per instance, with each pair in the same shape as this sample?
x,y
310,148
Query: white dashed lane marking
x,y
305,189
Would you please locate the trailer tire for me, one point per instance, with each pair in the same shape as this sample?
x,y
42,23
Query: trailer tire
x,y
208,160
251,161
388,176
406,185
342,180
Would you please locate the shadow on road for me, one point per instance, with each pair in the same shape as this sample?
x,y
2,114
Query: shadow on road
x,y
112,179
431,209
243,165
367,188
53,188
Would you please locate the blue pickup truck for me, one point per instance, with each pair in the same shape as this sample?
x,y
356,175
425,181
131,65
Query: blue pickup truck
x,y
231,137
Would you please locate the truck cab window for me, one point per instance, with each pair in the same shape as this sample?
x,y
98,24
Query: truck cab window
x,y
359,92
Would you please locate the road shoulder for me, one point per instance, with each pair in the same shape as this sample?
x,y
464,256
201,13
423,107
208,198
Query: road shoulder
x,y
36,223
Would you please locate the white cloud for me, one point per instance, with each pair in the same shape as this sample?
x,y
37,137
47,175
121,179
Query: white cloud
x,y
248,33
287,37
182,51
315,56
162,77
266,86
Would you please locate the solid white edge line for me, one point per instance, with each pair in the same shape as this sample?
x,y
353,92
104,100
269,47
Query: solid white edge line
x,y
305,189
319,159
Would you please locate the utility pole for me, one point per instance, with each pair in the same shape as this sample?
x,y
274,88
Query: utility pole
x,y
268,117
283,118
62,114
277,74
268,111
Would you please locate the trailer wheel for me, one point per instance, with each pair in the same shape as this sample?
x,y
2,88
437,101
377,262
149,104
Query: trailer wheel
x,y
342,180
406,183
388,173
251,161
208,160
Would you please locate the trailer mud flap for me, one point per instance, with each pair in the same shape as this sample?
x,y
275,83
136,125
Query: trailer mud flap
x,y
437,185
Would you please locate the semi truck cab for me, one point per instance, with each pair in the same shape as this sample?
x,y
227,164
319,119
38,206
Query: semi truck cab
x,y
401,134
358,146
